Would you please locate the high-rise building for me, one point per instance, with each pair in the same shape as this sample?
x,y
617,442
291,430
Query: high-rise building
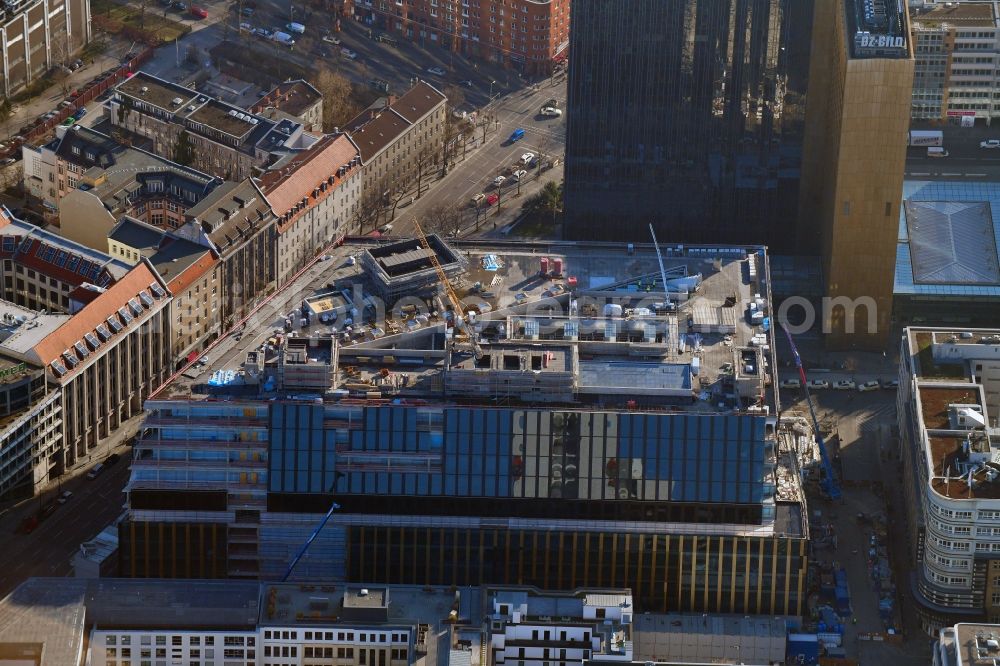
x,y
956,47
852,167
948,409
686,115
565,449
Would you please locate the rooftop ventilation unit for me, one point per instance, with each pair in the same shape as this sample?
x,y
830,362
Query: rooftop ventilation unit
x,y
176,100
144,89
233,112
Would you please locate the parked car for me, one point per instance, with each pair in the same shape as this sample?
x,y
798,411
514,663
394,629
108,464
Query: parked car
x,y
478,198
516,135
845,385
64,496
247,11
7,161
95,471
492,199
990,143
551,111
330,39
179,6
499,180
527,157
791,383
519,174
198,12
818,384
467,83
436,71
348,53
247,27
263,32
385,229
872,385
890,384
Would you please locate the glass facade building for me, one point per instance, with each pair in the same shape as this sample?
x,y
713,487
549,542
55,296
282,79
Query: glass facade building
x,y
688,115
677,506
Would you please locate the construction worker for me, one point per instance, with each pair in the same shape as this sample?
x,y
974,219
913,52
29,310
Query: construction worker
x,y
854,620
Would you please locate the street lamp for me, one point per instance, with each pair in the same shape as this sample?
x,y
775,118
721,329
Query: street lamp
x,y
491,88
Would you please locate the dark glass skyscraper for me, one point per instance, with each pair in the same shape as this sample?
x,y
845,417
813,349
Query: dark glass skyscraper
x,y
686,114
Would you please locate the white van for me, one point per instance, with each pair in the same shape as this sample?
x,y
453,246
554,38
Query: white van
x,y
935,151
296,28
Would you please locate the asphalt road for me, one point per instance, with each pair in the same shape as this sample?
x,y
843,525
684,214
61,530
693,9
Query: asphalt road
x,y
485,161
49,549
966,161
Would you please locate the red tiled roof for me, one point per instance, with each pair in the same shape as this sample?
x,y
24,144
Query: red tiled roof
x,y
96,313
180,282
33,252
286,186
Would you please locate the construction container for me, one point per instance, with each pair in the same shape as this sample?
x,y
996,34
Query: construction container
x,y
543,266
557,266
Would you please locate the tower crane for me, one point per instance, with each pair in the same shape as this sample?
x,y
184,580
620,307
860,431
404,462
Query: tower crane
x,y
449,291
663,272
829,484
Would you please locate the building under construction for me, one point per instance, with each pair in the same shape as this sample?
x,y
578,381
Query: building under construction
x,y
572,432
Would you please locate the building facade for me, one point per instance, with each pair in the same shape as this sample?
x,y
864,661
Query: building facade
x,y
726,164
314,195
947,409
852,178
401,140
531,36
956,48
295,100
237,224
196,130
37,36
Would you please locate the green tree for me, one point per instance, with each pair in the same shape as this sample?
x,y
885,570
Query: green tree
x,y
183,150
549,201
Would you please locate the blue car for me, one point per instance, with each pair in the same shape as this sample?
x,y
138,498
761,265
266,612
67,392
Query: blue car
x,y
517,135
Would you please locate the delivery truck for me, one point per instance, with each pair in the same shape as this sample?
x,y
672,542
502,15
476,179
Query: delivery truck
x,y
926,138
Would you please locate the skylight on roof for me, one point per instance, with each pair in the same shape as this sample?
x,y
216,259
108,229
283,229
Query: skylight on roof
x,y
135,307
115,325
103,332
73,261
92,340
146,299
81,349
59,368
157,290
126,317
71,358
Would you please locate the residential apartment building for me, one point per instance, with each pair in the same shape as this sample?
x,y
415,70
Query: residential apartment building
x,y
956,48
98,622
88,181
531,36
192,273
237,224
401,138
294,100
726,166
948,404
195,129
37,35
603,487
98,330
852,167
314,196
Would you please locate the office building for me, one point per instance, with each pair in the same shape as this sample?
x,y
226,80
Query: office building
x,y
966,644
314,194
956,47
531,36
852,167
196,130
72,622
416,433
84,340
947,406
686,115
947,254
39,35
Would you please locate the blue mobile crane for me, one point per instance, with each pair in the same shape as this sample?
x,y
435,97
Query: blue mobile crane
x,y
829,483
312,537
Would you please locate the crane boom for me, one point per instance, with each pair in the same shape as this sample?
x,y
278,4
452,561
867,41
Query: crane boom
x,y
308,542
829,484
456,304
659,257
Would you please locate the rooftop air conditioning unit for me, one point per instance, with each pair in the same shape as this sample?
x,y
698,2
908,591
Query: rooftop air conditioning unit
x,y
176,100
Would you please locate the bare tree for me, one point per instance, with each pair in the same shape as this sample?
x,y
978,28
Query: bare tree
x,y
444,219
426,159
370,207
399,189
339,104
